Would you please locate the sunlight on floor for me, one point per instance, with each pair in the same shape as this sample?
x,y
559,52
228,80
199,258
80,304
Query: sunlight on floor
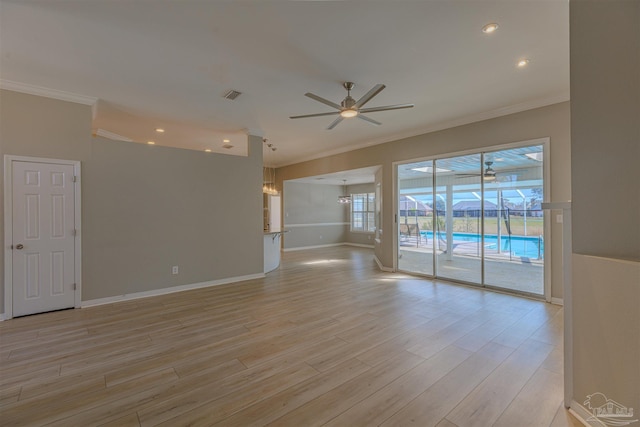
x,y
325,261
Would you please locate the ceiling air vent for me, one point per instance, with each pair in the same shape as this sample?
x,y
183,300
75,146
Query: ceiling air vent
x,y
232,94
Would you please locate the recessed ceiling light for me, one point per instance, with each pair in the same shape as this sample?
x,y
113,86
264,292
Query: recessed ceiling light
x,y
523,63
225,141
490,28
207,150
159,130
151,142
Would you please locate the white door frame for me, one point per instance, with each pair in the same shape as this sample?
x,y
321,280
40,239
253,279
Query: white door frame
x,y
8,228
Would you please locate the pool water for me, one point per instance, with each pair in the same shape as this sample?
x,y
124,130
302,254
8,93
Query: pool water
x,y
519,246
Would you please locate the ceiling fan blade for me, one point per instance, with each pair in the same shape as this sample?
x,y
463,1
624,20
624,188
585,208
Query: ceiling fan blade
x,y
324,101
386,108
333,113
368,119
367,96
335,123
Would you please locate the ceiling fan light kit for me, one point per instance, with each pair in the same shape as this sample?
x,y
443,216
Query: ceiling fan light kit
x,y
350,108
348,113
488,174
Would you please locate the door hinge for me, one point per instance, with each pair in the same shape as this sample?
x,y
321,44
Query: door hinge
x,y
75,178
74,232
73,286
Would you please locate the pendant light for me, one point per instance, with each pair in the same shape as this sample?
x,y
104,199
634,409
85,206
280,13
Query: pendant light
x,y
268,173
346,199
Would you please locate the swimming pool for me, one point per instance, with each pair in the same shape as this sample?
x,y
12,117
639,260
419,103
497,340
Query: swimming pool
x,y
519,246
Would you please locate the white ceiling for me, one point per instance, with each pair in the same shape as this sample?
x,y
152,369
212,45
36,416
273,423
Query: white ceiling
x,y
350,177
168,64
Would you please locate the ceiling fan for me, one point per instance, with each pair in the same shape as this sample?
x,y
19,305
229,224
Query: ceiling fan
x,y
488,175
349,107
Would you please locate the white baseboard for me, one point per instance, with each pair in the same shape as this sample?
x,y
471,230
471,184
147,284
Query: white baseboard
x,y
382,267
358,245
2,318
303,248
583,414
557,301
165,291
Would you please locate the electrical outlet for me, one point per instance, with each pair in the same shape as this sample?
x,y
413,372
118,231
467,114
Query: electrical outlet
x,y
174,269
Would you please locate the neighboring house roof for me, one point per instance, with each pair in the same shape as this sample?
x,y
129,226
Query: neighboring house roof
x,y
407,204
473,205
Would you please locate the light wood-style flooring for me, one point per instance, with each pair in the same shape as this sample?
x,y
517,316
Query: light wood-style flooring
x,y
326,340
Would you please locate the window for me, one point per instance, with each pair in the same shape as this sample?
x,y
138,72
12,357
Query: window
x,y
363,212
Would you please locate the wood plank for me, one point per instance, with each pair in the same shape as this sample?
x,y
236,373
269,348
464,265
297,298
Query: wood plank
x,y
120,403
281,403
484,405
69,385
208,405
537,403
394,396
56,409
9,395
130,420
334,402
438,400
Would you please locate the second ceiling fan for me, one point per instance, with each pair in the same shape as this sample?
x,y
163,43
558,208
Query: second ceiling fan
x,y
488,174
349,107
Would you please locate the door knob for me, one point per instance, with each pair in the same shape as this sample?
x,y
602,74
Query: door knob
x,y
19,246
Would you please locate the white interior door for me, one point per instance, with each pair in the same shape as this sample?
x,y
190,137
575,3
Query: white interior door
x,y
43,228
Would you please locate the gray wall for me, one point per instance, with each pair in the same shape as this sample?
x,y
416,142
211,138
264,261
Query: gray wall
x,y
313,216
552,121
146,208
605,112
605,151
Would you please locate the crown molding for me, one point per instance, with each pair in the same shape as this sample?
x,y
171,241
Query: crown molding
x,y
47,93
110,135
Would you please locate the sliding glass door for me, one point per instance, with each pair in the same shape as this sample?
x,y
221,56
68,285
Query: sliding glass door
x,y
475,218
514,221
458,188
416,218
